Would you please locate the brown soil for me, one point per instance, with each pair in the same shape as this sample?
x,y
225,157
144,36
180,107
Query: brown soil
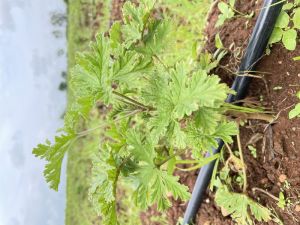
x,y
278,150
116,10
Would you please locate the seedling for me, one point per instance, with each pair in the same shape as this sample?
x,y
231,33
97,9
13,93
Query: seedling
x,y
281,203
287,26
228,11
295,112
252,151
238,205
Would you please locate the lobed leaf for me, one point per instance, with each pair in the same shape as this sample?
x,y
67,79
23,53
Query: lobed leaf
x,y
54,155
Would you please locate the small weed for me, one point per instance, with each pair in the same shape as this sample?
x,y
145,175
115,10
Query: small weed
x,y
295,112
281,203
287,25
252,151
286,185
228,11
239,206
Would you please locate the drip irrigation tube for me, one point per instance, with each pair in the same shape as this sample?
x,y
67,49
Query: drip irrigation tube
x,y
256,47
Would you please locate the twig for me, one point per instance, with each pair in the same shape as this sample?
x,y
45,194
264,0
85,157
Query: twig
x,y
243,162
266,193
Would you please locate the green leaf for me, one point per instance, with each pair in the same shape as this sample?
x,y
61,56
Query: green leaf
x,y
289,39
296,18
130,67
226,130
283,20
177,136
171,163
203,142
115,35
143,151
226,13
201,90
287,6
134,24
207,119
232,3
54,155
135,19
223,7
90,81
157,38
154,186
102,191
221,20
218,42
297,58
158,124
281,203
295,112
239,207
276,35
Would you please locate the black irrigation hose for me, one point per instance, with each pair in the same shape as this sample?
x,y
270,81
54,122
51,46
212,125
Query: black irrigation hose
x,y
255,50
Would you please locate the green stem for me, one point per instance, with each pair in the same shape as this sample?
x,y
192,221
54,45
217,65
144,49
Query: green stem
x,y
148,108
161,62
238,12
86,132
243,162
118,172
170,157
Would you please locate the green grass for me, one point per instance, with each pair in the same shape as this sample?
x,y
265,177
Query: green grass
x,y
83,24
85,19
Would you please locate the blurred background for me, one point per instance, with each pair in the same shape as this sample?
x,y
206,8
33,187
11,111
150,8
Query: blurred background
x,y
32,102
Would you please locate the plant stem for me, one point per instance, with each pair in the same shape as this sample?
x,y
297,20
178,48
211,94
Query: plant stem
x,y
170,157
242,160
148,108
86,132
161,62
229,149
266,193
252,116
238,12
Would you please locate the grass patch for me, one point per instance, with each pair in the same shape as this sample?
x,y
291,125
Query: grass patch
x,y
85,19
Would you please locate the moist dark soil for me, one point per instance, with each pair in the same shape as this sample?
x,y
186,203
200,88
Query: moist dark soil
x,y
276,167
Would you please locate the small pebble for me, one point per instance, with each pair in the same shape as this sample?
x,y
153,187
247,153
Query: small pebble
x,y
264,181
297,208
280,62
282,178
298,74
287,73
